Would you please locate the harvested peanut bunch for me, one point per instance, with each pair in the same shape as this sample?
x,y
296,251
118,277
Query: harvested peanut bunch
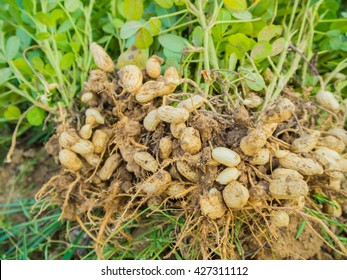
x,y
140,145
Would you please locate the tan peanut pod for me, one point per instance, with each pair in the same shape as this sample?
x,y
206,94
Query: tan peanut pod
x,y
176,190
153,66
235,195
284,172
83,147
187,171
94,116
151,121
335,179
279,218
305,166
258,194
110,165
288,188
165,147
70,160
146,161
152,89
172,115
342,165
100,140
261,157
154,201
334,209
174,173
226,156
89,98
86,131
190,140
197,159
171,75
212,205
333,143
191,104
327,100
339,132
227,175
101,58
177,128
253,101
327,157
68,138
130,78
267,128
278,111
253,142
305,143
92,159
157,183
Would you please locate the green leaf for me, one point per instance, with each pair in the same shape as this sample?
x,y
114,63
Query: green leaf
x,y
37,63
166,4
133,9
269,32
155,25
45,19
72,5
67,60
261,51
143,39
237,5
172,55
133,56
36,116
129,29
301,229
278,46
43,36
22,66
197,36
60,37
57,14
117,23
244,15
240,41
12,112
5,74
12,47
173,42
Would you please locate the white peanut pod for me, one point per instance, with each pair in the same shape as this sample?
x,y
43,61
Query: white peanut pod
x,y
228,175
261,157
235,195
110,165
327,100
333,143
70,140
279,218
171,75
305,143
87,97
101,58
305,166
153,66
190,140
146,161
151,121
86,131
226,156
253,142
130,78
284,172
94,116
267,128
176,190
165,147
70,160
288,187
192,103
187,171
152,89
339,132
278,111
92,159
177,128
83,147
100,140
212,205
157,183
172,115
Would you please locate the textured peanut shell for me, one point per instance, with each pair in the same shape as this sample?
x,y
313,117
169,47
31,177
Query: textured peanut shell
x,y
92,159
267,128
100,140
191,104
93,115
68,138
130,78
86,131
253,101
172,115
253,142
284,172
261,157
151,121
165,147
278,111
177,128
157,183
288,188
152,89
153,66
279,218
212,205
176,190
226,156
305,166
110,165
328,100
190,140
70,160
235,195
305,143
187,171
146,161
171,75
339,132
333,143
101,58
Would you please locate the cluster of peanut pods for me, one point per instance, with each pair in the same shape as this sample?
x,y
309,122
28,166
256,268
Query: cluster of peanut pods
x,y
312,154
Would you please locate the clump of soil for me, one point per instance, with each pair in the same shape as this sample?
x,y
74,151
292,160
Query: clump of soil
x,y
227,170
